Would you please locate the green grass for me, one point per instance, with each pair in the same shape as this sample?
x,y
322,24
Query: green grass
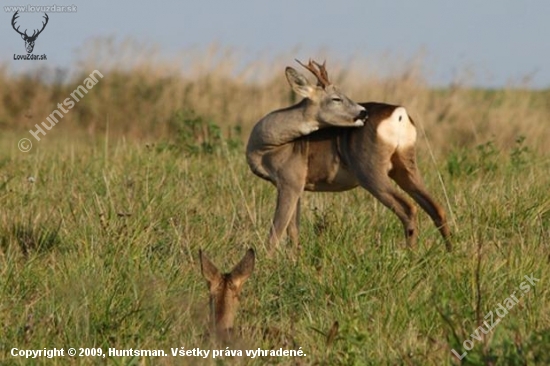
x,y
100,249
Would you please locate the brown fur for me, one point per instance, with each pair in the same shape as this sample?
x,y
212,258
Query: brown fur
x,y
225,290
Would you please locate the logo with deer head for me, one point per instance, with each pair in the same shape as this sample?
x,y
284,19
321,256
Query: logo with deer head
x,y
29,40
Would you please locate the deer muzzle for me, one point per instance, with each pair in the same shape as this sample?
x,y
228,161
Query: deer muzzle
x,y
361,118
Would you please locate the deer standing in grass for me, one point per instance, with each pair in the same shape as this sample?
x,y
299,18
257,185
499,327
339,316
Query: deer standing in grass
x,y
225,290
286,149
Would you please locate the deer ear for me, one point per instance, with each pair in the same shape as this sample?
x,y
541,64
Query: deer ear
x,y
209,271
299,83
23,36
243,269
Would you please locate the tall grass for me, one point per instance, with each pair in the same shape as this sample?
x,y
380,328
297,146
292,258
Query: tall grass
x,y
100,224
141,94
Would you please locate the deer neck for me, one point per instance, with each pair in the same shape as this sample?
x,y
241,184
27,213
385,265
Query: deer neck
x,y
285,125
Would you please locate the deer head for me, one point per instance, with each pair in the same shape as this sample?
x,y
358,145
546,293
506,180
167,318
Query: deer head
x,y
225,290
329,105
29,40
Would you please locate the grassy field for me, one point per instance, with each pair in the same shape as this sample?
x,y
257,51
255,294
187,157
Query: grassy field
x,y
101,223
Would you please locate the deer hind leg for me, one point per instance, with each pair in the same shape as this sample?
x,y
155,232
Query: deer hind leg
x,y
407,176
380,186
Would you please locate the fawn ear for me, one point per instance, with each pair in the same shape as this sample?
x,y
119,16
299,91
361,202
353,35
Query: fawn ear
x,y
243,269
299,83
208,269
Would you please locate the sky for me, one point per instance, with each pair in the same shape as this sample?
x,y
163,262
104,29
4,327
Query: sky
x,y
491,43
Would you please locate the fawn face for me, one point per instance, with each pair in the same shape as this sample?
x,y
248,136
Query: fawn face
x,y
225,289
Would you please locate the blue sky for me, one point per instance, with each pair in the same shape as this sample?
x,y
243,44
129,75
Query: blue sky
x,y
493,42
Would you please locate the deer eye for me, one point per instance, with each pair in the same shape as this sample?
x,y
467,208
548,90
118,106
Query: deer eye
x,y
337,99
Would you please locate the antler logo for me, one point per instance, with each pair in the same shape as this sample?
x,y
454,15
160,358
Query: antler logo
x,y
29,40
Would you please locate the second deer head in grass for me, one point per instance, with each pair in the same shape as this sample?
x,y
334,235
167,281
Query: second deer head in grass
x,y
225,290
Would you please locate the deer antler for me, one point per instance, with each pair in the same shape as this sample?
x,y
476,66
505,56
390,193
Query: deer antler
x,y
43,26
13,19
323,70
320,72
34,34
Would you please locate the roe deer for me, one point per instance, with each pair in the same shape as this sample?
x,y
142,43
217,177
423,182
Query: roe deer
x,y
271,139
225,290
339,159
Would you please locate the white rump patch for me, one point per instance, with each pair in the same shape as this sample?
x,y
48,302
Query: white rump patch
x,y
397,130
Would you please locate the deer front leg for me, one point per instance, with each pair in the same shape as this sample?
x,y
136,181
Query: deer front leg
x,y
293,230
287,201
